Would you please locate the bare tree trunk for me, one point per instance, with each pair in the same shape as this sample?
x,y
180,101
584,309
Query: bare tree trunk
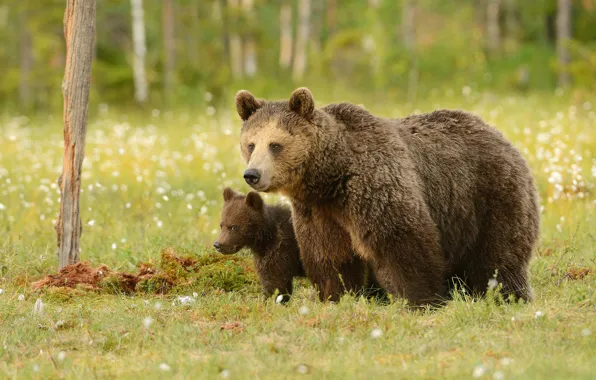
x,y
511,24
79,32
409,41
331,16
140,51
25,61
299,67
493,29
169,47
317,19
285,32
408,27
192,46
235,42
223,20
563,37
250,48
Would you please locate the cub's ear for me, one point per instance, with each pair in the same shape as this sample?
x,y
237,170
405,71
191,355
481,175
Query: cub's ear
x,y
302,102
246,104
228,194
254,200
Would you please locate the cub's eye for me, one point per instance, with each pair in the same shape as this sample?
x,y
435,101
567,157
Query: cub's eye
x,y
234,228
251,147
275,148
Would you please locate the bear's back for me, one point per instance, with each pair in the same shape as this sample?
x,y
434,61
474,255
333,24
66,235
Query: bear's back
x,y
461,163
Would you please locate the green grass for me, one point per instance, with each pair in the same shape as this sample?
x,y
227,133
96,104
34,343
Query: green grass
x,y
155,181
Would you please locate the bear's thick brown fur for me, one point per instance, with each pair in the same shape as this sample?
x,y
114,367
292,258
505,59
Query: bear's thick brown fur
x,y
246,221
423,199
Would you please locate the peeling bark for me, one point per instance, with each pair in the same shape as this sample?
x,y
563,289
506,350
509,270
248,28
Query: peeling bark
x,y
235,42
169,47
563,38
302,37
79,32
285,40
140,51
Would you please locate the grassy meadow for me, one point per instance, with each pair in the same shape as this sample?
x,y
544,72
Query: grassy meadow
x,y
153,180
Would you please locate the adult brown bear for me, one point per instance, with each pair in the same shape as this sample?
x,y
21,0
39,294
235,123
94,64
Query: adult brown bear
x,y
423,199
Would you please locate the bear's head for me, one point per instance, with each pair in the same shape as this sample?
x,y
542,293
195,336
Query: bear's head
x,y
276,139
242,217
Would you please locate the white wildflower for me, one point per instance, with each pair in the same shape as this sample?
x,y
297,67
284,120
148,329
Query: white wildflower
x,y
225,373
302,369
21,297
113,245
2,207
586,332
539,314
147,322
506,361
498,375
478,371
303,310
164,367
61,356
38,307
91,222
376,333
185,300
492,283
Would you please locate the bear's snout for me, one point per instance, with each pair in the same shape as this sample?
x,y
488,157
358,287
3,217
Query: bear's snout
x,y
252,176
217,246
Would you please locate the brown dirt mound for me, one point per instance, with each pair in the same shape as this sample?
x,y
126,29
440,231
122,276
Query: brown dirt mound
x,y
206,272
73,275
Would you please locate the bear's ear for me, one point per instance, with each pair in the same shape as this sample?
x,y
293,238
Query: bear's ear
x,y
228,194
246,104
302,102
254,200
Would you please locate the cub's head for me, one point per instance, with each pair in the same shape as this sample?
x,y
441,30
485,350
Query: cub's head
x,y
242,217
276,139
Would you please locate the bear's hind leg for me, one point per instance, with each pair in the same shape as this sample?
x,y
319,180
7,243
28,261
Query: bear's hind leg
x,y
504,247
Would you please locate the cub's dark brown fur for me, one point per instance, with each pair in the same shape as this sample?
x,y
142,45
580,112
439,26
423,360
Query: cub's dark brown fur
x,y
423,199
246,221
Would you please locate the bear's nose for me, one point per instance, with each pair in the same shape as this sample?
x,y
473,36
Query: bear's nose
x,y
217,245
252,176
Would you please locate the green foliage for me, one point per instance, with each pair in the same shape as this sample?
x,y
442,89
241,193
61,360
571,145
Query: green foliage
x,y
361,51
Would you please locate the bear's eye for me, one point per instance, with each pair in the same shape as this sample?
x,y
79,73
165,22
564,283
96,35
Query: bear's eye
x,y
251,147
275,148
234,228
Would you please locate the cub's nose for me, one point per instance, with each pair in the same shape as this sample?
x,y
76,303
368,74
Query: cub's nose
x,y
252,176
217,246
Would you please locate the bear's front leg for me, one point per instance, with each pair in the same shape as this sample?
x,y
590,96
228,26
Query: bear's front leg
x,y
284,289
326,253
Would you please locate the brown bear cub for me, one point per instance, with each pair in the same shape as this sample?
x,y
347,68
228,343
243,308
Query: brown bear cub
x,y
246,221
423,199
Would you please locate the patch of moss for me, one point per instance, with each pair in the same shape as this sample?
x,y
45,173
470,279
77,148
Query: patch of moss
x,y
177,267
65,294
227,273
158,283
118,283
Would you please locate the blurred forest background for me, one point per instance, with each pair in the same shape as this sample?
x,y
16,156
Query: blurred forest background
x,y
170,53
